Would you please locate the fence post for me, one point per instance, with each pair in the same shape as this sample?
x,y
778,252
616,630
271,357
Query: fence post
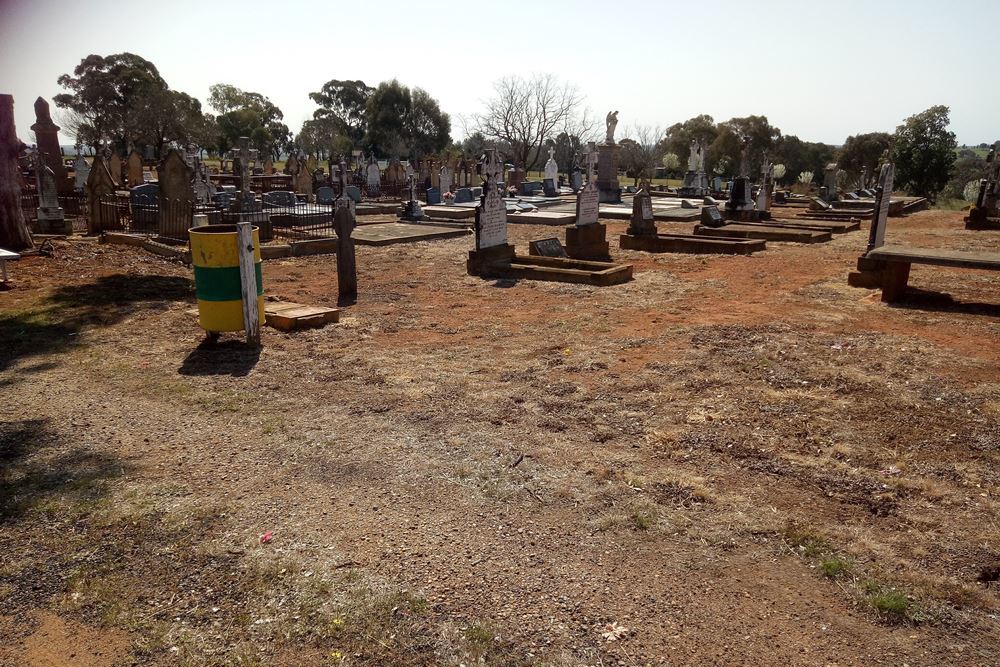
x,y
347,268
248,283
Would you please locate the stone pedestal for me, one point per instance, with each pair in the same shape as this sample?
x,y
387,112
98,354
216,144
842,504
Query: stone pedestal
x,y
52,221
588,242
412,211
480,260
870,273
607,174
695,184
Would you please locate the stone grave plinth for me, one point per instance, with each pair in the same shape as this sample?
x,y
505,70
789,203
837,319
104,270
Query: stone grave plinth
x,y
588,242
607,174
642,235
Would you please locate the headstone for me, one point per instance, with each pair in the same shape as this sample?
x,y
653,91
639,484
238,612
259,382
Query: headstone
x,y
463,196
695,179
491,216
445,178
147,153
576,180
531,188
50,216
433,196
551,168
134,169
100,186
711,217
830,174
876,238
587,205
818,204
115,167
549,188
607,165
642,223
373,178
47,136
144,203
547,248
740,198
354,193
304,182
81,170
325,195
176,195
292,165
279,199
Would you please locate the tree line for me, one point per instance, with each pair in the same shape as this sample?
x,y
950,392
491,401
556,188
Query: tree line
x,y
123,99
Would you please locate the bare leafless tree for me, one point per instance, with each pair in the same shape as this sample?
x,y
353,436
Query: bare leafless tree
x,y
525,113
642,150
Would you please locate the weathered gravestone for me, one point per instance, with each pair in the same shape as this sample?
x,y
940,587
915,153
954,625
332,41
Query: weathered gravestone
x,y
81,170
176,195
546,248
144,203
432,196
101,211
373,178
607,165
871,271
642,223
50,216
491,222
325,195
587,238
551,175
412,210
133,169
445,178
463,196
712,217
279,199
115,167
47,136
695,179
304,182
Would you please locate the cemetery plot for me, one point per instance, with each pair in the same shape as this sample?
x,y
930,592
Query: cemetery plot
x,y
388,233
764,232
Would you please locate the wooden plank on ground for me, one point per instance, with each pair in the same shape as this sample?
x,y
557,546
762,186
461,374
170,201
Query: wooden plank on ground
x,y
288,316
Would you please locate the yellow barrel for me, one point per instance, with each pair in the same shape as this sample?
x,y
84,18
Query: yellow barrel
x,y
216,261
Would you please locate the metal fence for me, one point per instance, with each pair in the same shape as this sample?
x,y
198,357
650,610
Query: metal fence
x,y
170,220
74,208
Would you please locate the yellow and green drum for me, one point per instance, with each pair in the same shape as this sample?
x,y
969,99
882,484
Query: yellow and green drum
x,y
216,260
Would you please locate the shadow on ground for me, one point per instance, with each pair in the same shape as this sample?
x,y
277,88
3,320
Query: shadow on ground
x,y
229,357
930,300
57,323
37,466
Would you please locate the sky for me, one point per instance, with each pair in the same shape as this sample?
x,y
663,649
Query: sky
x,y
818,70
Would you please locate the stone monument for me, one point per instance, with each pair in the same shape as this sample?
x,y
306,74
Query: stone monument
x,y
47,136
81,170
607,164
740,205
491,220
176,195
587,239
551,174
133,166
100,186
373,177
445,178
695,179
51,219
642,223
985,214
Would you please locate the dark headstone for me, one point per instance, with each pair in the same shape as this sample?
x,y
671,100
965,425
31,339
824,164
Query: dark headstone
x,y
547,248
549,188
464,196
711,217
324,195
642,223
354,192
433,196
279,199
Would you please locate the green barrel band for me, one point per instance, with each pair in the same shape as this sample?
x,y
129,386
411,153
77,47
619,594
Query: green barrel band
x,y
222,283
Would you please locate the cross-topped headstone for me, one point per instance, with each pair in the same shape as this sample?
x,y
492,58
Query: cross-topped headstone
x,y
492,169
491,216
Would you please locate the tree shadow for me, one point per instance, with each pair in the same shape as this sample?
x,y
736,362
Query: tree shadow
x,y
229,357
30,475
58,322
922,299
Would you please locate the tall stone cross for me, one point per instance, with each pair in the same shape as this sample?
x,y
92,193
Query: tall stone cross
x,y
552,152
492,169
590,159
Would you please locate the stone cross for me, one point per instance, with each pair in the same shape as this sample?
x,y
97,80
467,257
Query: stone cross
x,y
492,169
244,165
552,152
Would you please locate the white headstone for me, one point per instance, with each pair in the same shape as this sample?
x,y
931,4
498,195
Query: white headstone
x,y
81,170
492,213
587,205
445,178
551,168
372,175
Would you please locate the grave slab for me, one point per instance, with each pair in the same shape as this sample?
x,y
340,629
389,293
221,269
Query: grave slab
x,y
389,233
708,245
764,232
450,212
542,218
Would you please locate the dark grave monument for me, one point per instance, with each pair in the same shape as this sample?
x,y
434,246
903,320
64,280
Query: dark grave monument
x,y
695,179
463,196
411,209
144,202
985,214
432,197
50,218
47,136
607,164
547,248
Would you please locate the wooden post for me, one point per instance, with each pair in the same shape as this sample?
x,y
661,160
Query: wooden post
x,y
248,283
14,233
347,269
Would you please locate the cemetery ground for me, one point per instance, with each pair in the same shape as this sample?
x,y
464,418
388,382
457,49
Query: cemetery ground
x,y
727,460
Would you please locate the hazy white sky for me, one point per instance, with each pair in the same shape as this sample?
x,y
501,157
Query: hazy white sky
x,y
819,70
